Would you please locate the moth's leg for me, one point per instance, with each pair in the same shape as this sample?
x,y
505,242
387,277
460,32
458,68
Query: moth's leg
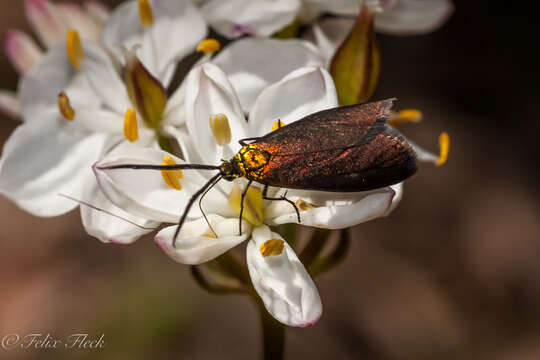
x,y
282,198
242,207
243,141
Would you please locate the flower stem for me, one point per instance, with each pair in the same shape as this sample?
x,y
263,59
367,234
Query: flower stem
x,y
273,336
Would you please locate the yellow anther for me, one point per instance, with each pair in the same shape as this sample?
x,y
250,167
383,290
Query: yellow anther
x,y
209,235
277,124
444,148
405,116
145,13
172,177
219,124
304,205
272,247
131,131
74,48
209,46
64,106
253,204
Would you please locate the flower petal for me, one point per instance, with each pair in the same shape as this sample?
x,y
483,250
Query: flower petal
x,y
398,189
411,17
22,50
97,10
38,162
302,92
253,64
196,243
47,21
97,120
77,18
108,228
282,282
211,93
9,104
328,34
338,7
331,210
235,18
145,193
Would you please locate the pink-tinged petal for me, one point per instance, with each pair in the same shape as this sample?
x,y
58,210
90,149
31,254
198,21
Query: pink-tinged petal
x,y
9,104
44,158
97,10
77,18
235,18
210,93
46,21
412,17
22,50
302,92
253,64
124,228
282,282
197,243
331,210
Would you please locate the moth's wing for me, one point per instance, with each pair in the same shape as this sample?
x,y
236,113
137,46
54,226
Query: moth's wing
x,y
330,129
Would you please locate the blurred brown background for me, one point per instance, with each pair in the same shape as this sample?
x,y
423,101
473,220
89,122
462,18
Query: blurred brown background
x,y
453,273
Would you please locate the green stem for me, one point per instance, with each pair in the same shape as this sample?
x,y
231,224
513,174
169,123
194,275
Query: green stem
x,y
273,336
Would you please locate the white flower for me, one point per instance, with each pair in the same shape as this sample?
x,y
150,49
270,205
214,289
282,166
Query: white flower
x,y
49,154
286,289
50,21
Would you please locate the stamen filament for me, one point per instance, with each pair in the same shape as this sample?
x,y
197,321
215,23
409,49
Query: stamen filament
x,y
145,13
444,146
74,48
208,46
131,131
64,106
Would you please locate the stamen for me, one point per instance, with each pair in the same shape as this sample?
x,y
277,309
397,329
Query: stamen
x,y
277,124
405,116
253,204
209,235
209,46
74,48
172,177
272,247
304,205
64,106
444,146
131,131
145,13
221,131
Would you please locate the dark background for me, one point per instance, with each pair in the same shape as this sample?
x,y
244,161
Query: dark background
x,y
453,273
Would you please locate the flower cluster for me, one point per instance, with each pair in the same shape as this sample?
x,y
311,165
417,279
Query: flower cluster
x,y
100,96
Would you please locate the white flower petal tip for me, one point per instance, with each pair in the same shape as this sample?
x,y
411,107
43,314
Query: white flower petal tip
x,y
46,21
197,243
282,282
21,50
9,104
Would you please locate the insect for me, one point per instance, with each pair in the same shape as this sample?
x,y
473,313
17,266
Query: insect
x,y
343,149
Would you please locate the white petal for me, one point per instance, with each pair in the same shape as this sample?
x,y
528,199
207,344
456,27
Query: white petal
x,y
193,248
328,34
253,64
175,113
77,18
411,17
423,154
282,282
398,189
44,158
106,227
104,79
145,193
98,120
235,18
210,92
47,21
334,211
22,50
339,7
302,92
9,103
97,10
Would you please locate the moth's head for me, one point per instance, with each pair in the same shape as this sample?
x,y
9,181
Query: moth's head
x,y
228,171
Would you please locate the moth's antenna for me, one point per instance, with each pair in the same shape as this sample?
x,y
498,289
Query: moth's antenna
x,y
200,204
190,203
161,167
106,212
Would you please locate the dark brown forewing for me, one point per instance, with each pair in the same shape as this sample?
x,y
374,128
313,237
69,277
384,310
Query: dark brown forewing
x,y
330,129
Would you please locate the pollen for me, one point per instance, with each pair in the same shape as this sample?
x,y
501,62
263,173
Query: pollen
x,y
172,177
64,106
253,204
444,146
304,205
272,247
209,46
145,13
131,131
221,131
405,116
74,49
277,124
